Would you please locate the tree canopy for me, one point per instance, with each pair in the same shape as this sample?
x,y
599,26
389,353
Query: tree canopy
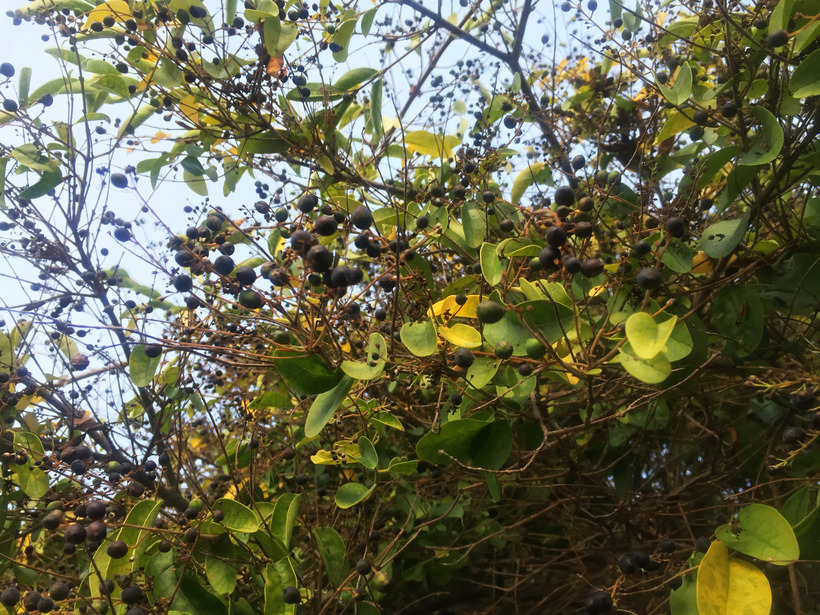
x,y
410,308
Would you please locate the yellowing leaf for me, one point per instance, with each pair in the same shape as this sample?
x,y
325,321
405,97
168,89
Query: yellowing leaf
x,y
190,108
427,143
447,308
118,9
160,136
461,335
647,337
727,586
702,263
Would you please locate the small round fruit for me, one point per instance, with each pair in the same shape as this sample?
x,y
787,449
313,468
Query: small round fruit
x,y
626,564
10,105
648,278
586,204
75,534
548,256
488,196
291,595
301,240
556,236
778,38
45,604
701,116
461,299
307,203
422,222
152,351
119,180
503,349
674,583
534,348
702,544
301,478
246,276
489,311
132,594
464,357
10,596
319,258
582,229
325,226
668,545
578,162
122,234
592,267
804,400
117,549
251,300
675,226
96,510
7,70
729,109
361,217
190,535
223,264
59,590
642,248
31,600
597,603
571,263
564,196
793,434
525,369
288,453
183,283
364,567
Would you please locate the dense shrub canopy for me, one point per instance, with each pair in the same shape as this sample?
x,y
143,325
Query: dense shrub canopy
x,y
404,308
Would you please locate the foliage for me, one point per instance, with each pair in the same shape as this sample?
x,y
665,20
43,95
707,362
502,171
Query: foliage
x,y
521,334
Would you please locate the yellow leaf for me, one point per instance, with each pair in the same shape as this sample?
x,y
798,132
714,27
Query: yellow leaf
x,y
461,335
448,308
728,586
701,263
190,108
596,290
118,9
159,137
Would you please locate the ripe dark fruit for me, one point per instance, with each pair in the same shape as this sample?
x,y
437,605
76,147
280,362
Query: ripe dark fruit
x,y
10,105
132,594
325,226
674,583
701,116
582,229
548,256
422,222
571,263
489,311
361,217
218,515
58,591
190,535
506,225
117,549
641,248
10,596
122,234
503,349
525,369
702,544
729,109
96,531
488,196
463,357
119,180
461,299
599,602
288,453
96,510
45,605
301,241
301,478
75,534
648,278
626,564
675,226
641,559
245,276
668,545
592,267
364,567
793,434
7,70
564,196
251,300
307,203
31,600
804,400
183,283
586,204
778,38
556,236
578,162
291,595
223,264
319,258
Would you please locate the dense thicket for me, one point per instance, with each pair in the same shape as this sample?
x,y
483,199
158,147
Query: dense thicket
x,y
411,308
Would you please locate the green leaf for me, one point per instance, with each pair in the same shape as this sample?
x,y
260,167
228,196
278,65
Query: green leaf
x,y
325,404
727,586
23,86
284,516
796,507
353,78
32,480
681,89
342,37
737,314
721,238
684,600
367,20
805,80
278,36
652,371
763,533
420,337
481,372
332,549
221,575
679,257
278,576
238,517
141,368
478,443
781,14
196,184
367,453
474,223
680,344
306,374
491,267
31,157
351,494
646,337
537,171
271,142
677,123
767,142
48,181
